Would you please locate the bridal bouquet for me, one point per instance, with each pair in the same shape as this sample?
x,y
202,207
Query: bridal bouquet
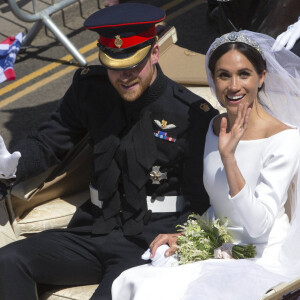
x,y
206,238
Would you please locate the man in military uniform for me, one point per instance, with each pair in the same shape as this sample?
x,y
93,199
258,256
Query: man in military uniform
x,y
147,134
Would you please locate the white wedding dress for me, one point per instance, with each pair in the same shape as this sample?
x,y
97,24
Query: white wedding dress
x,y
256,215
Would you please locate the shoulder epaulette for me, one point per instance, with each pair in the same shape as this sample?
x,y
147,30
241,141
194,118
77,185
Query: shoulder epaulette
x,y
94,70
192,100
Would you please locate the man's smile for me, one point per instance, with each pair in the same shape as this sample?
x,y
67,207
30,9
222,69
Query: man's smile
x,y
128,86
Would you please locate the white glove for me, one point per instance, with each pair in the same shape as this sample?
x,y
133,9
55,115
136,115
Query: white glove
x,y
288,38
160,260
224,252
8,162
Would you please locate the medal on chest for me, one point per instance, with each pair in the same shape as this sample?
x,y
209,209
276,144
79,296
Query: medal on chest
x,y
156,176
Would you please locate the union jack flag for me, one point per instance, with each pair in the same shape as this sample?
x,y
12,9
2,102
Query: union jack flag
x,y
8,53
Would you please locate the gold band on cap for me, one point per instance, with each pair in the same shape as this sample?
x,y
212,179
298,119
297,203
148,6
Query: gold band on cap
x,y
123,63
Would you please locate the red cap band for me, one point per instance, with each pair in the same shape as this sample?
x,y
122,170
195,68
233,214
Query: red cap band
x,y
127,42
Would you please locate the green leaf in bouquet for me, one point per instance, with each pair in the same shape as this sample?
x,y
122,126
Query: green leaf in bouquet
x,y
243,251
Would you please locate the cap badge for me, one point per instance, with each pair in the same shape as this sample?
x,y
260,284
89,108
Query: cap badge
x,y
156,176
163,124
205,107
164,136
118,41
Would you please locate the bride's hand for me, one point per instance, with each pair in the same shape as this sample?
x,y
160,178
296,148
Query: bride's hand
x,y
228,141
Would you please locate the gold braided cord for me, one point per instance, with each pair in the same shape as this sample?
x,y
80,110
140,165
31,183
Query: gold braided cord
x,y
123,63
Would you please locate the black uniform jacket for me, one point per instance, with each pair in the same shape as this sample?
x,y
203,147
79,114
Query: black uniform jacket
x,y
165,128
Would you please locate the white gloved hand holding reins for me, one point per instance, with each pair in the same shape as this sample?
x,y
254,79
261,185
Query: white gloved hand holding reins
x,y
288,38
8,161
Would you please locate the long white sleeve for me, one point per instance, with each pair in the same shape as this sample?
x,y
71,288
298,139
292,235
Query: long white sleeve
x,y
260,207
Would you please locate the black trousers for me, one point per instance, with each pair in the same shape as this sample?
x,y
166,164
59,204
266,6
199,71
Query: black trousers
x,y
69,258
66,258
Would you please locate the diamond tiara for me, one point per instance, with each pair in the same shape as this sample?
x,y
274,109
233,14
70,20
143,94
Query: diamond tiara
x,y
234,37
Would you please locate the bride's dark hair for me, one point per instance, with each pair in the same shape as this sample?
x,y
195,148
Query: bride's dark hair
x,y
251,53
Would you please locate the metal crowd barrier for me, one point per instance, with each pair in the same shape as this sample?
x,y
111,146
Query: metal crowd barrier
x,y
43,17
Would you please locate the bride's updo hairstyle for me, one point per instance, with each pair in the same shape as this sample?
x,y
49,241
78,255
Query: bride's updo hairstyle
x,y
251,53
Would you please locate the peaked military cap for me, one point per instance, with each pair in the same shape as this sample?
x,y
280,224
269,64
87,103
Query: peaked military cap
x,y
127,33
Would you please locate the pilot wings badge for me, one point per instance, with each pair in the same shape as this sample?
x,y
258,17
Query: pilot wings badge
x,y
164,124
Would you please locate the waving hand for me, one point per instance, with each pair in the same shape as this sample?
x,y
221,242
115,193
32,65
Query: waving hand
x,y
228,141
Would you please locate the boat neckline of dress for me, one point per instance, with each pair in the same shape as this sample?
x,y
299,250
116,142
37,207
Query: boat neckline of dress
x,y
293,127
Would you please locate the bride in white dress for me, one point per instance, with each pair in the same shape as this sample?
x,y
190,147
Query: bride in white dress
x,y
251,166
